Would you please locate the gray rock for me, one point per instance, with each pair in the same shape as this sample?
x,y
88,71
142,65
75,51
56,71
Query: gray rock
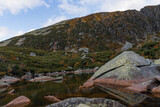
x,y
20,41
127,46
92,102
123,66
83,50
32,54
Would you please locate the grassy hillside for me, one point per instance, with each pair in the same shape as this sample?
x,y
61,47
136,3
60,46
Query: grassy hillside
x,y
17,61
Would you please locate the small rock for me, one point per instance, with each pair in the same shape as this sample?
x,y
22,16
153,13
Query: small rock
x,y
52,98
21,101
9,79
32,54
127,46
42,79
3,84
11,92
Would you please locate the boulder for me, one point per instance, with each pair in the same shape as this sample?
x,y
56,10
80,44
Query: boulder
x,y
21,101
127,46
3,84
9,79
126,69
42,79
52,98
91,102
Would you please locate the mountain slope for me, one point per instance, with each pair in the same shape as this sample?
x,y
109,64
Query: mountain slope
x,y
100,31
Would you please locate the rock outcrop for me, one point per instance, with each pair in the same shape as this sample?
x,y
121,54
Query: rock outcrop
x,y
125,70
94,102
21,101
42,79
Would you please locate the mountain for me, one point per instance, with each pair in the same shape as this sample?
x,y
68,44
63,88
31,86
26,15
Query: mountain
x,y
99,31
100,37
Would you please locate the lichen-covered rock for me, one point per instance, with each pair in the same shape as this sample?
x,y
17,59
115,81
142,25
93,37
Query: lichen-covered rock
x,y
126,69
92,102
21,101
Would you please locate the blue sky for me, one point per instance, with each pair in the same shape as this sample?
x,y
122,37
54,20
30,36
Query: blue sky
x,y
20,16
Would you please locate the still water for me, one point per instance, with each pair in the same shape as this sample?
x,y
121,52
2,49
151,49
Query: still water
x,y
69,88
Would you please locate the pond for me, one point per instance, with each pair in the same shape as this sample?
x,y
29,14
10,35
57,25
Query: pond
x,y
69,88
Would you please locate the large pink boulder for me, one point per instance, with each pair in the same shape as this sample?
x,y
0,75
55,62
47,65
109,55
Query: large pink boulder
x,y
21,101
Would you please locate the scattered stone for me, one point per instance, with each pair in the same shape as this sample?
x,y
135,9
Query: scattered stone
x,y
42,79
9,79
32,54
52,98
3,84
127,46
21,101
83,50
27,76
58,78
91,102
11,92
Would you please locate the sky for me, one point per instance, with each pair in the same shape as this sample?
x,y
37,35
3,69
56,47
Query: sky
x,y
20,16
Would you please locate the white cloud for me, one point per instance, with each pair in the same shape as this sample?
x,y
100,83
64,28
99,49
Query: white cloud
x,y
71,7
6,33
54,20
15,6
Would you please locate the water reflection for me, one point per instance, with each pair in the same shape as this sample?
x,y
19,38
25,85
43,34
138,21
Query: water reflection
x,y
127,96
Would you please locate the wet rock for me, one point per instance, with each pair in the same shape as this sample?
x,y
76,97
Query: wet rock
x,y
9,79
42,79
21,101
3,84
52,98
125,70
127,46
92,102
11,92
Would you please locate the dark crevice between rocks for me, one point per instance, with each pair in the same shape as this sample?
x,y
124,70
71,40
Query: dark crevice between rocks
x,y
139,66
107,72
154,84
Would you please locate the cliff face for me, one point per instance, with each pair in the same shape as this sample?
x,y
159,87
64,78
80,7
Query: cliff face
x,y
99,31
